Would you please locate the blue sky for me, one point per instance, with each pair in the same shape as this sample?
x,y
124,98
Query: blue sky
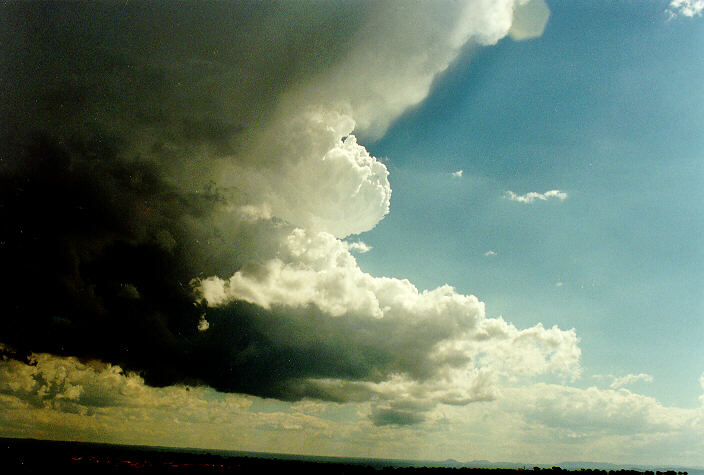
x,y
606,107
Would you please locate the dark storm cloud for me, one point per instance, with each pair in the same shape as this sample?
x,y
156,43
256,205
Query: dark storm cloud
x,y
385,417
95,263
111,117
275,352
104,107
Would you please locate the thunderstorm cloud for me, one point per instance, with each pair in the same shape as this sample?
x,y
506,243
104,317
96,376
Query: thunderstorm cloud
x,y
175,200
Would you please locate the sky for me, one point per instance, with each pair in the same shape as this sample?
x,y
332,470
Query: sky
x,y
466,230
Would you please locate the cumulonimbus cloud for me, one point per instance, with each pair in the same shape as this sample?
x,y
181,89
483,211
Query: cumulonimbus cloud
x,y
175,198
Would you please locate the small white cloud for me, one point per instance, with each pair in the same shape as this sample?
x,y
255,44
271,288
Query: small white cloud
x,y
458,173
532,196
630,379
688,8
359,246
558,284
490,253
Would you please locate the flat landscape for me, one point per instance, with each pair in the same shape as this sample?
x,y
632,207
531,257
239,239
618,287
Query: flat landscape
x,y
30,456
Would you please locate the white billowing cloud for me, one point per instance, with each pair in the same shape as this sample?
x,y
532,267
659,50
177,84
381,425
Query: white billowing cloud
x,y
306,169
546,423
313,268
448,349
304,165
688,8
619,425
630,379
458,174
594,410
529,20
490,253
532,196
533,351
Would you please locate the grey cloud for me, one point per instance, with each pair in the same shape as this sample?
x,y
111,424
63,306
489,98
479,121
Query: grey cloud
x,y
112,115
385,417
285,352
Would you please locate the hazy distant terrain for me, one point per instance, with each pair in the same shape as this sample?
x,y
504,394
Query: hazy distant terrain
x,y
30,456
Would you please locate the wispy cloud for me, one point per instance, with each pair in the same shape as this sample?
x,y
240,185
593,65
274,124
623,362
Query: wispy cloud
x,y
688,8
630,379
622,381
458,173
532,196
490,253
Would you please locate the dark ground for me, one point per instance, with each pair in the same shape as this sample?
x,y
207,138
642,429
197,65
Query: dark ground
x,y
28,456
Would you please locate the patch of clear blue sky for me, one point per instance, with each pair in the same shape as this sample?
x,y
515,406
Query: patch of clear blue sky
x,y
607,105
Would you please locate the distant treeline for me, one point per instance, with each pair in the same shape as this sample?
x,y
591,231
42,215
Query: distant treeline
x,y
514,471
23,456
